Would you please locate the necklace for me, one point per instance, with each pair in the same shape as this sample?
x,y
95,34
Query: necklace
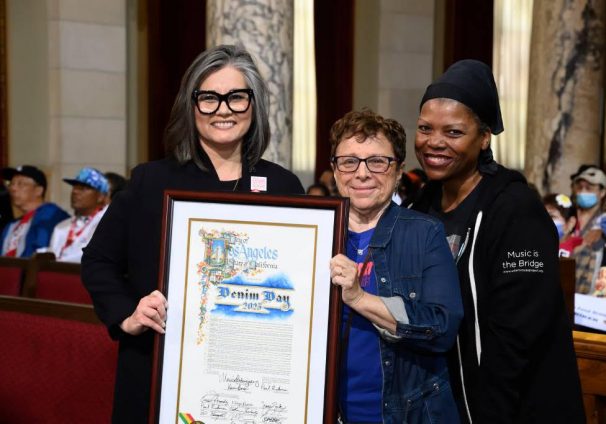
x,y
359,251
236,185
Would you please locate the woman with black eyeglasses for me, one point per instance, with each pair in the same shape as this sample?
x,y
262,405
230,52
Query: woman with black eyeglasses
x,y
217,132
399,285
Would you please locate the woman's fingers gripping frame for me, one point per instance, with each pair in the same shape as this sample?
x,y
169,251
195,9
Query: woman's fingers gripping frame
x,y
151,312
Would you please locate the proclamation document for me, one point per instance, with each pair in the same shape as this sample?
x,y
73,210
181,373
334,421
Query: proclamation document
x,y
243,347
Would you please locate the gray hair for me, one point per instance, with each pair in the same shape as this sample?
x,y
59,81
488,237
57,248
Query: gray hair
x,y
181,137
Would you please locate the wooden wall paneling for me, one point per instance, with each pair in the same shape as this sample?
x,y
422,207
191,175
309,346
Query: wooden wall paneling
x,y
334,26
468,31
176,35
3,89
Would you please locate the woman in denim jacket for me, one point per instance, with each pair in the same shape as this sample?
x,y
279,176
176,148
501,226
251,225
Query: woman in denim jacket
x,y
402,304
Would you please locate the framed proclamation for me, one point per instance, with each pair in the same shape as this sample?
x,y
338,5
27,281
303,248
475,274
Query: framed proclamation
x,y
252,326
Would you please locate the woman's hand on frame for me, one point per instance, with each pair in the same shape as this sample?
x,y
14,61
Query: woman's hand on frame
x,y
150,313
344,273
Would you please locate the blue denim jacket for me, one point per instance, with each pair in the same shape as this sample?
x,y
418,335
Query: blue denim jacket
x,y
412,261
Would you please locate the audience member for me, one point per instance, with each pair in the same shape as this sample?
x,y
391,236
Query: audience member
x,y
410,186
421,174
317,190
588,191
32,231
562,212
116,183
90,190
327,178
6,210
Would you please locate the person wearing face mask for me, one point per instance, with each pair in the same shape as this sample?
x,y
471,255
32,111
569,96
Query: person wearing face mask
x,y
562,212
558,207
588,192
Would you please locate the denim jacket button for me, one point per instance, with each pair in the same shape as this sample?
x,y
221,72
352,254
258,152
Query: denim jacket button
x,y
428,332
436,387
383,279
387,363
412,295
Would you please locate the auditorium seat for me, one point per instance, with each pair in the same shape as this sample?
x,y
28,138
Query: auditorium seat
x,y
57,363
12,274
61,281
52,280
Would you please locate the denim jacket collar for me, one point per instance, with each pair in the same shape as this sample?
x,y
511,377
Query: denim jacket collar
x,y
382,234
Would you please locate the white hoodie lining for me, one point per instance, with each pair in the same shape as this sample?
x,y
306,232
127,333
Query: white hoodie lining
x,y
472,284
463,382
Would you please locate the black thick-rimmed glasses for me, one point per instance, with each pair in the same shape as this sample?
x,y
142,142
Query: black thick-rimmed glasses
x,y
375,164
208,102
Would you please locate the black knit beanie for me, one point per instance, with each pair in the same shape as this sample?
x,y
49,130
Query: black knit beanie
x,y
471,82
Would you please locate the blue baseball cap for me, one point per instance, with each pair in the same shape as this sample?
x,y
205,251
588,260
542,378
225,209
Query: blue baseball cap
x,y
92,178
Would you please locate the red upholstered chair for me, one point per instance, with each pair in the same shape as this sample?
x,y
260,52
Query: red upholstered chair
x,y
57,363
61,286
12,272
52,280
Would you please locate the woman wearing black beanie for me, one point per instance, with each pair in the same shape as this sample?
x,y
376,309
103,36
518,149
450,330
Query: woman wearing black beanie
x,y
514,361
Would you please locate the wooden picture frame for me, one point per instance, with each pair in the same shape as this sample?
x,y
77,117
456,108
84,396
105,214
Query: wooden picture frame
x,y
253,322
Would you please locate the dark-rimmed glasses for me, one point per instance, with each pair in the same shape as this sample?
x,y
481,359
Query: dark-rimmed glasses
x,y
208,102
375,164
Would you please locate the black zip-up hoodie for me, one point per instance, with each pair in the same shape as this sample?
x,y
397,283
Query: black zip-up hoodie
x,y
514,361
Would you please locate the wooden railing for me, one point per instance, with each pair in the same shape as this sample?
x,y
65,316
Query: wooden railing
x,y
591,359
591,353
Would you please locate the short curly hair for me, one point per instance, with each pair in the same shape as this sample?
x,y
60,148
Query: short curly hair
x,y
366,123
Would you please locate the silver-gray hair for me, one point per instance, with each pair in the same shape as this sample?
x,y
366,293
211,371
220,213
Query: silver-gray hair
x,y
181,137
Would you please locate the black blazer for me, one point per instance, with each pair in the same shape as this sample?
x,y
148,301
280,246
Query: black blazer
x,y
120,264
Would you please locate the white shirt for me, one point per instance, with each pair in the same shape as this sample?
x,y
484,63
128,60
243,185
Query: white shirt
x,y
15,237
82,228
396,198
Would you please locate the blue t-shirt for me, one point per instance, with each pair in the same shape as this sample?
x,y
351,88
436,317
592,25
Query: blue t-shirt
x,y
361,384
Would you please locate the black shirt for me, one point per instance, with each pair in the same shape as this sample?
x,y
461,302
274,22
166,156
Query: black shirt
x,y
457,221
